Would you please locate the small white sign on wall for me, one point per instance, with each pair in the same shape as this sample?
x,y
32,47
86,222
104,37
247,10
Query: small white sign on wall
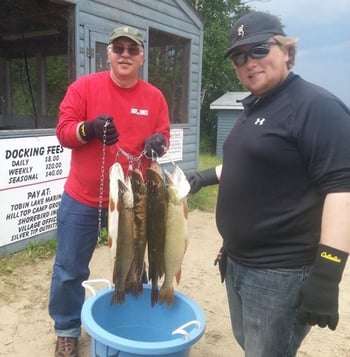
x,y
175,151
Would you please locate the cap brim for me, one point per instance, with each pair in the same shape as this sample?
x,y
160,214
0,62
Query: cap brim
x,y
249,41
130,37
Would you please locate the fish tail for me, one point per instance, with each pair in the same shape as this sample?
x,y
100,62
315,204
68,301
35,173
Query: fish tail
x,y
136,288
166,295
118,297
154,295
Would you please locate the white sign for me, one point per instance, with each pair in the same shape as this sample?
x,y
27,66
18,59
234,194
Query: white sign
x,y
175,149
33,172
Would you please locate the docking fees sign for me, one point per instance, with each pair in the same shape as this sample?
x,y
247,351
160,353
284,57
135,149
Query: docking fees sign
x,y
34,170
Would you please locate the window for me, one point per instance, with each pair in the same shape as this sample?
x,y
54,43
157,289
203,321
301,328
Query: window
x,y
168,69
36,62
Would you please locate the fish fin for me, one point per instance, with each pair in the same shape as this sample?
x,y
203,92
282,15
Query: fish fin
x,y
185,208
109,242
118,297
138,289
178,276
112,205
166,295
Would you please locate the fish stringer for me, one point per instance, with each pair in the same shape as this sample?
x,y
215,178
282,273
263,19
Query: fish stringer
x,y
134,162
102,178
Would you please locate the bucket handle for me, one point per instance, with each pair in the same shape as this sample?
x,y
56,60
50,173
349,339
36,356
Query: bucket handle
x,y
87,284
180,330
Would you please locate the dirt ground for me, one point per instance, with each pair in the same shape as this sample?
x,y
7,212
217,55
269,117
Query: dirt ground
x,y
26,329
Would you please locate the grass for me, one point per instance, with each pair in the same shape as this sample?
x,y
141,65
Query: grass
x,y
204,200
35,253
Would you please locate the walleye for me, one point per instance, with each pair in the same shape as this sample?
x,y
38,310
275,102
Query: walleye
x,y
176,237
125,244
115,173
140,229
156,212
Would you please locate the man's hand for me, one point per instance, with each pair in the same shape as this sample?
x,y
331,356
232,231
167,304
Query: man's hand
x,y
318,304
95,129
200,179
155,144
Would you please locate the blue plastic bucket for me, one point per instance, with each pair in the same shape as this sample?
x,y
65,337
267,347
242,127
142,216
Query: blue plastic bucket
x,y
135,328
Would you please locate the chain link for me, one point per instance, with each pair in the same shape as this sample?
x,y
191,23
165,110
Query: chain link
x,y
100,198
133,161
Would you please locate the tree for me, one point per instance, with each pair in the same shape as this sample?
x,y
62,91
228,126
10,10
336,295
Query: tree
x,y
218,76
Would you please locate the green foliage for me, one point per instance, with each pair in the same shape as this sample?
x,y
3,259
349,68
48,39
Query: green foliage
x,y
218,76
103,237
57,82
205,199
25,84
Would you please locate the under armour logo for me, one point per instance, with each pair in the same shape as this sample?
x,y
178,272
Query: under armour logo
x,y
240,31
259,121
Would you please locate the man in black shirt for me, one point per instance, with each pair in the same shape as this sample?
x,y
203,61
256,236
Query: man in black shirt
x,y
284,195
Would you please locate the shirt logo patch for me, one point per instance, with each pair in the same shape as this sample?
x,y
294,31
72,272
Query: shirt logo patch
x,y
142,112
259,121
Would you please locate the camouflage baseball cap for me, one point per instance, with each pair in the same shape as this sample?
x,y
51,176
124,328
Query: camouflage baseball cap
x,y
129,32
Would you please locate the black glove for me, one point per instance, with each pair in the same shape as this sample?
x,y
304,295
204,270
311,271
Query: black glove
x,y
94,129
318,304
155,143
201,179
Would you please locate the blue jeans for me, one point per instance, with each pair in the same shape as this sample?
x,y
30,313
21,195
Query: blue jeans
x,y
262,305
77,229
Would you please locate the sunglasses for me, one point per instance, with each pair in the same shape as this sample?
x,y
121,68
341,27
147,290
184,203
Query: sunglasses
x,y
132,50
257,52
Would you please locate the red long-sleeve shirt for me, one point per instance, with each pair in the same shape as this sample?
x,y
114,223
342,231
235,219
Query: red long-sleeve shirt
x,y
137,112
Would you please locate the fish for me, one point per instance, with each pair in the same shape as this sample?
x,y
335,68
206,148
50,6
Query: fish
x,y
157,203
115,173
139,190
176,237
125,243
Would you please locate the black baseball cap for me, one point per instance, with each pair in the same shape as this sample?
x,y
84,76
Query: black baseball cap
x,y
254,27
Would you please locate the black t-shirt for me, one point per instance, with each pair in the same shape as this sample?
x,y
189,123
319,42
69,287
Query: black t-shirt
x,y
286,152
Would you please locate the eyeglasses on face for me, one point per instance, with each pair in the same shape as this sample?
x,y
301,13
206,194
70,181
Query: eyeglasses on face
x,y
256,52
132,50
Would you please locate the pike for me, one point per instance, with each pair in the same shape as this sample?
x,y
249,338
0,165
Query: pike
x,y
115,173
176,238
156,212
140,229
125,244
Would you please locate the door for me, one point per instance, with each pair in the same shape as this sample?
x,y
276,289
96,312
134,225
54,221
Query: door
x,y
97,52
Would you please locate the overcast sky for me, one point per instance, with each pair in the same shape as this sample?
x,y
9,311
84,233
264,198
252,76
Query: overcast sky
x,y
323,30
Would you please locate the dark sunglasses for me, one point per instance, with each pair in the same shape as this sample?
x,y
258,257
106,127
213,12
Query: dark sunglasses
x,y
256,52
132,50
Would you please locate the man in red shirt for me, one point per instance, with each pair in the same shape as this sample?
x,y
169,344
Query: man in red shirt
x,y
104,117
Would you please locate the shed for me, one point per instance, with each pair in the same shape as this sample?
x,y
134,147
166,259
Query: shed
x,y
44,46
228,109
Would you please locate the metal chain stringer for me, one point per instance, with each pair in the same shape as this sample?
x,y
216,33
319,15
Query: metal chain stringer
x,y
134,162
102,178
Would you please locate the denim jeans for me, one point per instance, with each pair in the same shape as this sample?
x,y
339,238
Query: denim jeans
x,y
262,305
77,229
